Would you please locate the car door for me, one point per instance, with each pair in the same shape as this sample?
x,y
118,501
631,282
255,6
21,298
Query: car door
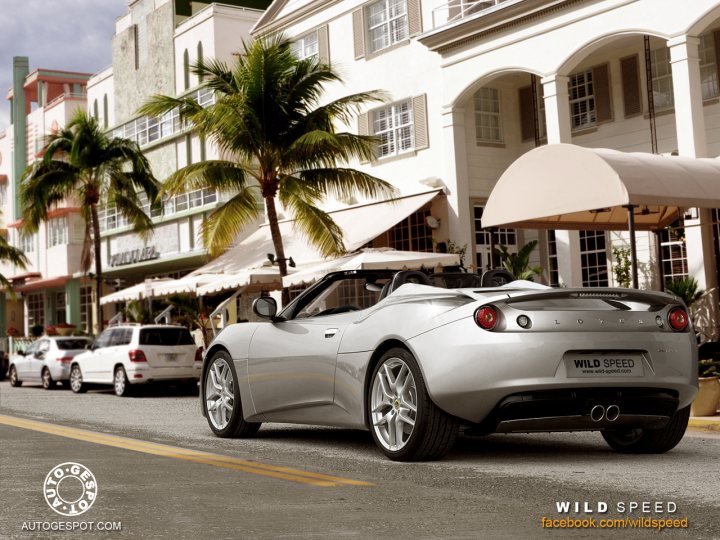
x,y
36,362
291,364
23,362
93,367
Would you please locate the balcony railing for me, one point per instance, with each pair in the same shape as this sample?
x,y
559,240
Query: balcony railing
x,y
65,96
456,10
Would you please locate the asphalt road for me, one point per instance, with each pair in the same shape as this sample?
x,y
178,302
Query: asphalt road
x,y
306,482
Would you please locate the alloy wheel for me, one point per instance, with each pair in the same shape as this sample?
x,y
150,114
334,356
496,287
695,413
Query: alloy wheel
x,y
219,393
13,376
76,379
120,382
393,404
46,379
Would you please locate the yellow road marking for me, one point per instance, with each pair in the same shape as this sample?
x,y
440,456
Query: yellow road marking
x,y
185,454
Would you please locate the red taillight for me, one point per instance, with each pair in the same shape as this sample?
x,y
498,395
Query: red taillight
x,y
137,356
198,354
486,317
65,359
678,319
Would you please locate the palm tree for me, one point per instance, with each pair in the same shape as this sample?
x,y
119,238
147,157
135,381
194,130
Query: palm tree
x,y
279,142
14,256
81,163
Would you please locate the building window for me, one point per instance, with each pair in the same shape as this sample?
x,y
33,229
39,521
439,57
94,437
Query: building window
x,y
96,114
86,308
593,258
662,84
60,303
387,23
57,231
674,251
147,129
487,115
554,272
36,309
708,66
106,119
306,46
582,100
186,70
393,125
412,234
26,242
483,242
3,195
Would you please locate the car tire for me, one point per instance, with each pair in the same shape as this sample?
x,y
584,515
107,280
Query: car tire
x,y
47,380
650,441
14,381
220,384
76,380
396,386
121,384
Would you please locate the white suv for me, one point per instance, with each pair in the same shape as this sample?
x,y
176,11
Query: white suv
x,y
133,354
46,361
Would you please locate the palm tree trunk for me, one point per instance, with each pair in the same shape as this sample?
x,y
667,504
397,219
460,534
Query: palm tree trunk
x,y
277,244
98,267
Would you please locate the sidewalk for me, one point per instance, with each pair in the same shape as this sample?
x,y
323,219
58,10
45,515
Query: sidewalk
x,y
705,423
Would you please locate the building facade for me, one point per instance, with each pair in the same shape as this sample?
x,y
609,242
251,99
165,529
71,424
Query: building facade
x,y
473,85
154,46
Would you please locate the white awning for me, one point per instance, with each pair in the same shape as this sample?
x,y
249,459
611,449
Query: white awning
x,y
134,292
360,225
186,285
267,277
563,186
373,259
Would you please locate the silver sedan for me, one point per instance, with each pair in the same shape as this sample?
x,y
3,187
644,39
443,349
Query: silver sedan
x,y
413,363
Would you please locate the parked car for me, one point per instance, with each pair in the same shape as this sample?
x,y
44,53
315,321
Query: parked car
x,y
128,355
412,363
46,361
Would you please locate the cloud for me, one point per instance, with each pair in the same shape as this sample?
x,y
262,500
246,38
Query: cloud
x,y
73,35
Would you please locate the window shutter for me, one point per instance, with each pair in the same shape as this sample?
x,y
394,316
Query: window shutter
x,y
527,117
601,89
323,44
630,71
359,33
716,41
364,128
420,122
414,12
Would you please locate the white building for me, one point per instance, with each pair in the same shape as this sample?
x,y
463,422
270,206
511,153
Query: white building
x,y
473,85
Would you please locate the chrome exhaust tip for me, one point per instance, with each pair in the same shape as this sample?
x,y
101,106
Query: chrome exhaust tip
x,y
612,413
597,413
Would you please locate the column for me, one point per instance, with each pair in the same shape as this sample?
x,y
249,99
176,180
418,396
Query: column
x,y
691,140
456,180
557,109
557,118
72,302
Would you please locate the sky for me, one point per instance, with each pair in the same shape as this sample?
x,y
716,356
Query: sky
x,y
72,35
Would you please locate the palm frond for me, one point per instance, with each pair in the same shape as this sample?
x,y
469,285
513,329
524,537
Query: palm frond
x,y
12,254
343,183
222,226
215,174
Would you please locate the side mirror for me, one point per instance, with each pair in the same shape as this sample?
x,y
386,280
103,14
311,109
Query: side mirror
x,y
265,307
20,352
40,355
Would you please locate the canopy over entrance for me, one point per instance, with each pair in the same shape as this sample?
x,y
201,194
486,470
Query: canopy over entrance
x,y
563,186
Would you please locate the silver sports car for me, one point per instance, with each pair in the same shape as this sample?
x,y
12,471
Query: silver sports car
x,y
414,362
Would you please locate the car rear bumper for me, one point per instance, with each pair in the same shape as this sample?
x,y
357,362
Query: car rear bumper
x,y
59,372
470,374
140,374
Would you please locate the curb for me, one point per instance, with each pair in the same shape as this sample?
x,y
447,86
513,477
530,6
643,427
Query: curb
x,y
701,424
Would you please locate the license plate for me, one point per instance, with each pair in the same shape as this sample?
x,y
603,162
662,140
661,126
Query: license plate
x,y
604,365
169,357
